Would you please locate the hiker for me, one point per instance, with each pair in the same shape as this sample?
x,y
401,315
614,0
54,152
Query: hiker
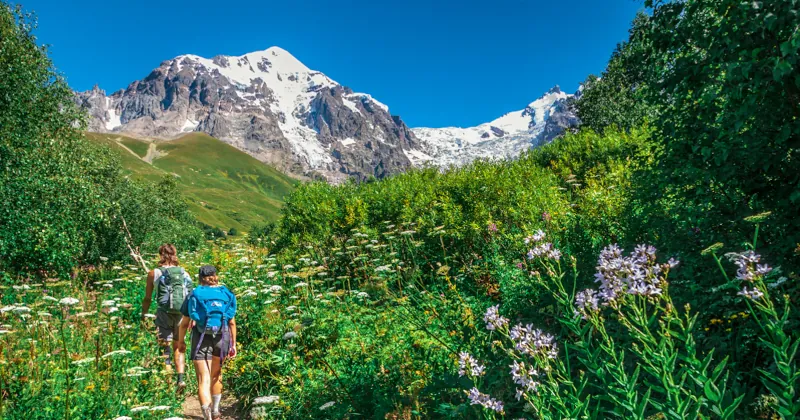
x,y
212,308
172,285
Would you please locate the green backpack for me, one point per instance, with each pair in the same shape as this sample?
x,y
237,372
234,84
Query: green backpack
x,y
172,287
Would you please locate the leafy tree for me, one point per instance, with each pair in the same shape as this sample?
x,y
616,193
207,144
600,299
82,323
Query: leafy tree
x,y
63,197
616,98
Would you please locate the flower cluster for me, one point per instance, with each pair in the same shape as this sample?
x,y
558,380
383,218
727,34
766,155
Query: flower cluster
x,y
532,342
545,250
749,268
636,274
586,302
524,377
493,319
467,365
477,397
536,237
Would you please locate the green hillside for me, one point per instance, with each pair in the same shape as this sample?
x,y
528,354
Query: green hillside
x,y
225,187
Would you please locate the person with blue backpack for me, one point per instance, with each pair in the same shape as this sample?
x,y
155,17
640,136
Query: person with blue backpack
x,y
212,308
172,285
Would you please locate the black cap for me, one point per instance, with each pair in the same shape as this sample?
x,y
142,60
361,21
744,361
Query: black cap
x,y
207,271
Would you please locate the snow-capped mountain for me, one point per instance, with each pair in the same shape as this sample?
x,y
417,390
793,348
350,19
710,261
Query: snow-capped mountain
x,y
272,106
506,137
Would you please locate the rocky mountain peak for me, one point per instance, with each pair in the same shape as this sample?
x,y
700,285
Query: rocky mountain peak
x,y
272,106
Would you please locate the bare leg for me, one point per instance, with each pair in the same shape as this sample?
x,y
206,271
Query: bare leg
x,y
203,369
216,376
180,357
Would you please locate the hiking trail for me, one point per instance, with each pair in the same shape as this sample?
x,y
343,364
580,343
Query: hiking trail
x,y
191,408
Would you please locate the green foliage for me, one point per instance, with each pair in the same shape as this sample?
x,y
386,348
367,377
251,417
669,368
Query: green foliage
x,y
232,232
64,198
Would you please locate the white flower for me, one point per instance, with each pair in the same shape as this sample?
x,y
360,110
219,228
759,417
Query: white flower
x,y
123,418
140,408
149,315
174,418
290,335
327,405
116,352
50,298
22,310
300,284
362,295
160,408
83,361
107,303
269,399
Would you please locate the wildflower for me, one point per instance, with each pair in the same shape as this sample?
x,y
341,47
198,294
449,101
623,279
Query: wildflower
x,y
149,315
477,397
467,365
174,418
270,399
546,217
160,408
116,352
290,335
753,294
50,298
275,288
288,267
536,237
531,342
545,250
523,377
140,408
327,405
300,284
586,302
748,265
636,274
492,228
493,319
362,295
83,361
22,309
123,418
107,303
382,268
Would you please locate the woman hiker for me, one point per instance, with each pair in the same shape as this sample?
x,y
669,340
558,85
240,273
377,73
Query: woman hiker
x,y
212,308
172,285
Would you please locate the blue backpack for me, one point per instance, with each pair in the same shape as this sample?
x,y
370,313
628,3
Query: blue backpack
x,y
210,307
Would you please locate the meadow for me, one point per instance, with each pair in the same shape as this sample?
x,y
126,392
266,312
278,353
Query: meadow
x,y
644,266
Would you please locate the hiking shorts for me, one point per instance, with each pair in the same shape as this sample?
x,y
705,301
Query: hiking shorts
x,y
211,346
167,325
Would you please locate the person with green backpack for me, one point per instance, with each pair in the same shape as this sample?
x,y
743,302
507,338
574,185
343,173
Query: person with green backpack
x,y
212,309
172,285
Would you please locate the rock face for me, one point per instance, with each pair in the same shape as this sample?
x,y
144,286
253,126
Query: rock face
x,y
265,103
272,106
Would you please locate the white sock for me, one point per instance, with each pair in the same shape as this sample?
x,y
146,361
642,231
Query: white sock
x,y
206,412
215,399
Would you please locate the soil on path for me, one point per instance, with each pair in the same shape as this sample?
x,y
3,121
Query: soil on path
x,y
191,408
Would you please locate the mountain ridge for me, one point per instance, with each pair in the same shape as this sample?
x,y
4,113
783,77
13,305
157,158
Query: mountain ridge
x,y
273,107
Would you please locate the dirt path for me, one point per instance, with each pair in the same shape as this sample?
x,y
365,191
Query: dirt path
x,y
152,153
191,408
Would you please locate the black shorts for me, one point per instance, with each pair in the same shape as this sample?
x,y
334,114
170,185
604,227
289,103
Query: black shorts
x,y
211,346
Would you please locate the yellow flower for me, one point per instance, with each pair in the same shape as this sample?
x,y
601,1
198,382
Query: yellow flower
x,y
89,387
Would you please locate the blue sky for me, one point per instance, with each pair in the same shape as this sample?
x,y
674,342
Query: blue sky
x,y
433,62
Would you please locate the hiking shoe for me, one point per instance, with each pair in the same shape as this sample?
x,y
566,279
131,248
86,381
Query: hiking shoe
x,y
216,415
207,414
181,386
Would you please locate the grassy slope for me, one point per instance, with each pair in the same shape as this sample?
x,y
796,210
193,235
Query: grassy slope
x,y
224,186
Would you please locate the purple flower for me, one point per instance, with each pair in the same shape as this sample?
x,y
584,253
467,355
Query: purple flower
x,y
492,227
753,294
636,274
493,319
530,341
748,265
467,365
524,377
586,302
546,216
536,237
478,398
545,250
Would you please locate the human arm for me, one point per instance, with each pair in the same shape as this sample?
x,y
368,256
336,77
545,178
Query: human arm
x,y
148,293
182,329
